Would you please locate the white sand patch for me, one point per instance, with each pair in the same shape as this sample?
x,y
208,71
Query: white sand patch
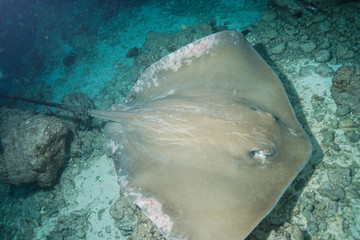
x,y
94,190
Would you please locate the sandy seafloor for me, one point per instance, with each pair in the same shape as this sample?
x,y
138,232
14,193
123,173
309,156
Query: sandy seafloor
x,y
87,187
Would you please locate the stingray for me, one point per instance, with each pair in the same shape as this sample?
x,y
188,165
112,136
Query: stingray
x,y
206,142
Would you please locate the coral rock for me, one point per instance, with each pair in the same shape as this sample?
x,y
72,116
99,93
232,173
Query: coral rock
x,y
345,88
33,148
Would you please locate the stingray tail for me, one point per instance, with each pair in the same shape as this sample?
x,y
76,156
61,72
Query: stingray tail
x,y
49,104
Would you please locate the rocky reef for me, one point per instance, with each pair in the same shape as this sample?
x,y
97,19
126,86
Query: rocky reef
x,y
34,148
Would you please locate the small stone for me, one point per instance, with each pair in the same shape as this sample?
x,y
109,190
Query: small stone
x,y
346,123
342,77
309,207
293,45
325,44
352,193
319,18
133,52
340,193
287,231
334,124
323,226
100,213
268,16
69,59
280,48
342,111
327,236
344,52
327,191
270,34
354,137
295,232
124,214
324,70
322,56
308,215
304,37
80,233
355,230
340,176
290,30
108,229
318,116
313,228
320,206
329,138
308,47
332,208
324,26
307,70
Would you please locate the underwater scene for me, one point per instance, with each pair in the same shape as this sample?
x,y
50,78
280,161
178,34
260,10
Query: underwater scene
x,y
197,120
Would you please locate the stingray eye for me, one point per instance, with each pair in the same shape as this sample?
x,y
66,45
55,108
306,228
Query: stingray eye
x,y
261,155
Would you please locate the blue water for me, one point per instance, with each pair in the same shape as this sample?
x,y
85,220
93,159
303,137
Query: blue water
x,y
49,49
36,35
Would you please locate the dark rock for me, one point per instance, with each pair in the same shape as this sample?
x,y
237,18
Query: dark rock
x,y
332,208
308,46
323,225
347,124
345,88
293,45
322,56
326,190
69,60
287,231
278,49
34,148
133,52
124,214
342,111
352,192
313,228
74,224
354,137
324,70
308,215
342,76
78,124
245,32
269,15
344,52
329,140
340,176
307,70
74,121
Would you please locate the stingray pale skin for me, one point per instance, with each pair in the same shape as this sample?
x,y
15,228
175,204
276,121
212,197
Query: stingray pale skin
x,y
206,142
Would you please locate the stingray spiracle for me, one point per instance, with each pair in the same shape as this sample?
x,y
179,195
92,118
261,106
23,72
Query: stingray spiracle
x,y
261,155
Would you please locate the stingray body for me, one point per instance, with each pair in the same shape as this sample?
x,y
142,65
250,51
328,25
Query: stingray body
x,y
206,142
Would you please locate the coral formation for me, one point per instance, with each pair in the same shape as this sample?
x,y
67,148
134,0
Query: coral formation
x,y
34,148
345,88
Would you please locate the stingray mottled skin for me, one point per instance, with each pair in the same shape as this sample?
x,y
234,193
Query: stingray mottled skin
x,y
207,142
